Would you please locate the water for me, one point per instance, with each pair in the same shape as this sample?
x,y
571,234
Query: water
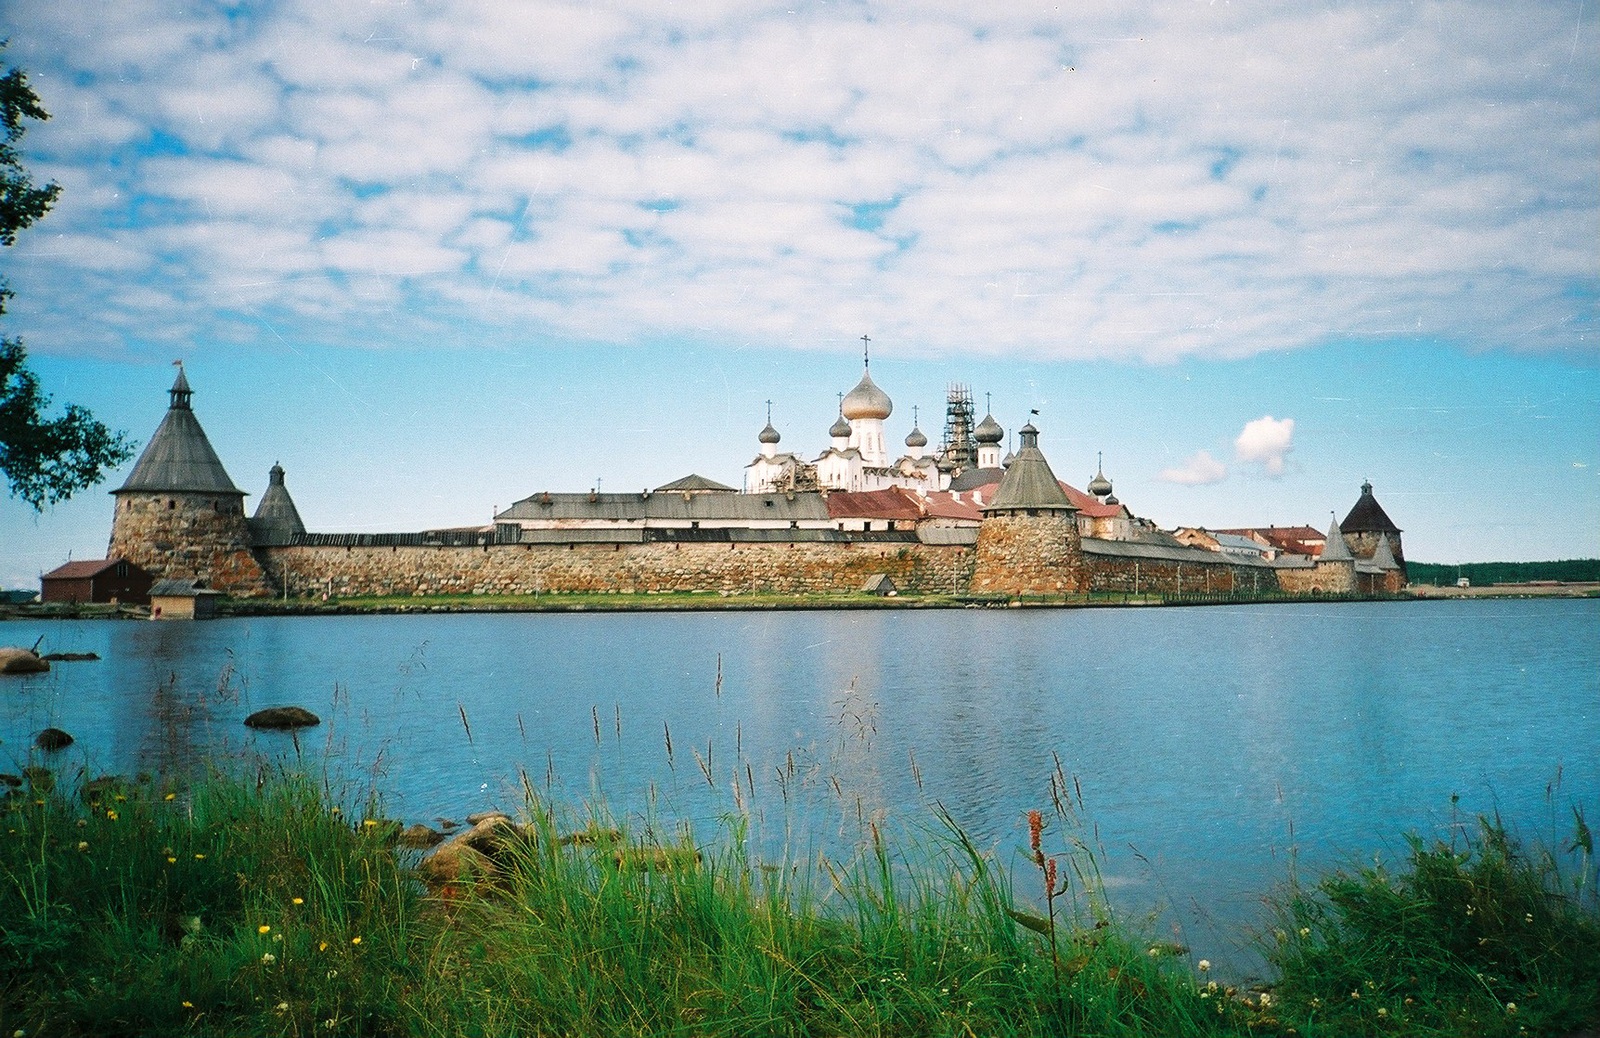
x,y
1208,743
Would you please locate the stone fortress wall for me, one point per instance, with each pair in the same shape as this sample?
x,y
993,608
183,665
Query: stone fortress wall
x,y
180,516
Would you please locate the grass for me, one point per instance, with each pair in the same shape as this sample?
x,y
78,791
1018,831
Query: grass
x,y
252,905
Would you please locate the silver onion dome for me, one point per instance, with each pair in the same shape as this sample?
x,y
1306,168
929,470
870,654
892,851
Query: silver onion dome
x,y
866,400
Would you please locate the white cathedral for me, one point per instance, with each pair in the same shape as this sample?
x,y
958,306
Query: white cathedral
x,y
857,459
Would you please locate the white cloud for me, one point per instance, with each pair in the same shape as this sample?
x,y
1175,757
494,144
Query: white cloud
x,y
1088,184
1199,470
1265,441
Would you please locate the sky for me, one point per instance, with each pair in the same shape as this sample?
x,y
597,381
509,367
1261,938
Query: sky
x,y
436,257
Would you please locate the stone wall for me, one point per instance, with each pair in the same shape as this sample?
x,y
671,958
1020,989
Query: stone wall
x,y
1324,578
1028,555
188,536
1168,577
516,569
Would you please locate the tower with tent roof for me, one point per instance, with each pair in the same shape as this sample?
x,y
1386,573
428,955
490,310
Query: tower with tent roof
x,y
178,514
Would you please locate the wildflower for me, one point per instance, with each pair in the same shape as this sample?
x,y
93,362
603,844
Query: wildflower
x,y
263,928
369,823
1527,917
121,798
1204,965
187,1004
1035,828
83,845
82,822
111,813
297,901
171,860
171,796
1305,931
267,958
1511,1009
1382,1012
1050,875
332,974
199,857
1153,952
356,939
1211,986
1266,999
283,1007
1356,995
330,1023
322,946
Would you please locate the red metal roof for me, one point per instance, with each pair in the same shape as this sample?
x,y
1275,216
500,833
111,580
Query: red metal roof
x,y
942,504
893,503
81,569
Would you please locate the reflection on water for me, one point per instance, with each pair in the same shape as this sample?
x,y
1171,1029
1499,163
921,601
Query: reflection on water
x,y
1209,742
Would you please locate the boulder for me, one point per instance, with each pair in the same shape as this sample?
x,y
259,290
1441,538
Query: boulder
x,y
21,661
283,718
420,837
479,817
52,739
481,853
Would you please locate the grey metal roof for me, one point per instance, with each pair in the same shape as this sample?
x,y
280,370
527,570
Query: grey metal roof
x,y
180,589
1029,483
988,430
928,534
695,483
798,506
1168,553
1335,550
178,457
973,478
276,521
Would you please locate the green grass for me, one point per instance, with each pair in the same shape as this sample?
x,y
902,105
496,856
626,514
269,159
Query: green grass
x,y
252,906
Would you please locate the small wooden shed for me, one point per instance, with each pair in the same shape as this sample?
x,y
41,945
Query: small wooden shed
x,y
182,600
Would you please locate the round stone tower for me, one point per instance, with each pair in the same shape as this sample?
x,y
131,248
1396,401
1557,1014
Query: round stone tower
x,y
178,514
1028,542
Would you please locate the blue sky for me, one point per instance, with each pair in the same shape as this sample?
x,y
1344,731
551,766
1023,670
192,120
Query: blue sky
x,y
436,257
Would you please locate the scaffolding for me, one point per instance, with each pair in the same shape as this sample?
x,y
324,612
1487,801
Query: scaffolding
x,y
958,450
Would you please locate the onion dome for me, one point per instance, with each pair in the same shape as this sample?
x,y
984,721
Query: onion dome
x,y
769,435
1006,461
839,429
916,439
988,430
1111,499
1099,486
866,400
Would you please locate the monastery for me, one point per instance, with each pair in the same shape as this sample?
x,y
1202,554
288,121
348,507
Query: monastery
x,y
956,519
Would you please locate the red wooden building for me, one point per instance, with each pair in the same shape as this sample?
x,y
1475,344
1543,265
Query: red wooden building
x,y
97,580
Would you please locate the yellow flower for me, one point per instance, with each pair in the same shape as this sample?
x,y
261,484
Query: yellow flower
x,y
298,901
83,845
199,857
171,796
1382,1011
322,946
263,928
369,823
355,940
187,1004
171,860
1511,1009
111,813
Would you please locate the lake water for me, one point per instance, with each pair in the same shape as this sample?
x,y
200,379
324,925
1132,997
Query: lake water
x,y
1208,742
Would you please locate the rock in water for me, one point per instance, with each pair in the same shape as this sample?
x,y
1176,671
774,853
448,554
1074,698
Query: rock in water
x,y
52,739
21,661
283,718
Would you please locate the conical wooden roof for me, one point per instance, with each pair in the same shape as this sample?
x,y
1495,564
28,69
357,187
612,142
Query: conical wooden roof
x,y
179,458
1368,516
277,520
1029,484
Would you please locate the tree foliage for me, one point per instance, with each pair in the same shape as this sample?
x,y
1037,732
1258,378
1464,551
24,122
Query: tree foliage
x,y
44,459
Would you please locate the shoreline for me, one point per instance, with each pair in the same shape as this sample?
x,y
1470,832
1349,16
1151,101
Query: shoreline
x,y
720,602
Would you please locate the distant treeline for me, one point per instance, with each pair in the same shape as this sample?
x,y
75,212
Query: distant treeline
x,y
1481,573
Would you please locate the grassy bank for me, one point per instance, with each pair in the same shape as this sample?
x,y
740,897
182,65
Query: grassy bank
x,y
253,906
